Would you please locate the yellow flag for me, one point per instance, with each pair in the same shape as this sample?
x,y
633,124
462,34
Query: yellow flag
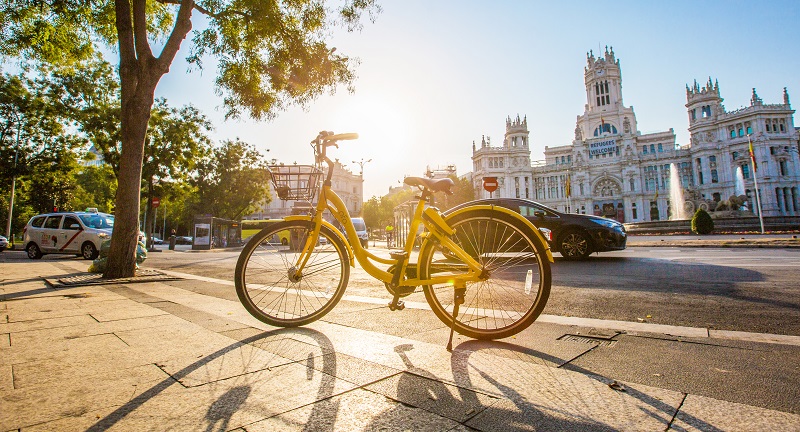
x,y
568,187
753,156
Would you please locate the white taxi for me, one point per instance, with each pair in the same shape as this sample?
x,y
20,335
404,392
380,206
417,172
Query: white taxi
x,y
77,233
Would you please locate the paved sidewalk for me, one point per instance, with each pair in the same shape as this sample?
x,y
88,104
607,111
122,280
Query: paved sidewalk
x,y
158,355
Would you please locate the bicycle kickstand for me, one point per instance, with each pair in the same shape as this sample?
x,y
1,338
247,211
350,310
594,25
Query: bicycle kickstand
x,y
458,299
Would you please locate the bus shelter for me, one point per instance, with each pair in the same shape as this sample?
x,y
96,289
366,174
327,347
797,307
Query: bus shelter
x,y
213,232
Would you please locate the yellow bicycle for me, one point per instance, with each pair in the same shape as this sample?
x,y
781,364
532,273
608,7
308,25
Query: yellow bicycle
x,y
484,270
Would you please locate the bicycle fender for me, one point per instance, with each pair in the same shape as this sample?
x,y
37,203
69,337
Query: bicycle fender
x,y
336,232
514,215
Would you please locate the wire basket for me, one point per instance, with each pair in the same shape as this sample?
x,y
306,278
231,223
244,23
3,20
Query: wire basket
x,y
295,182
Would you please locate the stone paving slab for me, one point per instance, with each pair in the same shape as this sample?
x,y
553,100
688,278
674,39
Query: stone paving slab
x,y
747,372
50,401
226,404
324,379
701,414
358,410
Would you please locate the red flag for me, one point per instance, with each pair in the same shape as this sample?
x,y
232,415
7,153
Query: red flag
x,y
568,187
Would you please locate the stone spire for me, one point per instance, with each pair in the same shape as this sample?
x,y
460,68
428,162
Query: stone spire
x,y
755,100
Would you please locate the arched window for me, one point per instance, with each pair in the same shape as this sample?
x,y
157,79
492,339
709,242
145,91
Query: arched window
x,y
605,128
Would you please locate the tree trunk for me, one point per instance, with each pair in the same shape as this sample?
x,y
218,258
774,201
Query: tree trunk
x,y
139,73
134,118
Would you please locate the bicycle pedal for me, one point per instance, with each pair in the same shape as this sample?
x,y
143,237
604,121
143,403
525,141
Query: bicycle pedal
x,y
396,304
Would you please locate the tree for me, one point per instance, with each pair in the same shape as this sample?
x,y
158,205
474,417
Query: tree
x,y
97,186
231,181
270,54
702,222
38,152
462,192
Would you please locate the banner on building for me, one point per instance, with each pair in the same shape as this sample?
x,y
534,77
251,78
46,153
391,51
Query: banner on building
x,y
602,147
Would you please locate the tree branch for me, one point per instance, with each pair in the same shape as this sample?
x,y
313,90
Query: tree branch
x,y
207,12
143,51
183,24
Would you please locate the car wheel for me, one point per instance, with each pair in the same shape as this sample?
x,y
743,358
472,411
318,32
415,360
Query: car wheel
x,y
284,241
365,244
575,245
33,251
88,251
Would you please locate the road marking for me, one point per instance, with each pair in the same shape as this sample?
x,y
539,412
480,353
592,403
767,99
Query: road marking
x,y
679,331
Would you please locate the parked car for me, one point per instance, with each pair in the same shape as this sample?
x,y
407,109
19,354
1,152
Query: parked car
x,y
361,230
183,240
78,233
3,243
574,236
156,240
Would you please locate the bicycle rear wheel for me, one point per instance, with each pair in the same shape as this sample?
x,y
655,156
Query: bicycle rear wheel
x,y
266,281
518,283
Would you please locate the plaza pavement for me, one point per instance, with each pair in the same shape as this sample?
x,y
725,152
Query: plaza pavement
x,y
156,353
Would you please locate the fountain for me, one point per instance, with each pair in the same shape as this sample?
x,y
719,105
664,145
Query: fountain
x,y
739,186
677,210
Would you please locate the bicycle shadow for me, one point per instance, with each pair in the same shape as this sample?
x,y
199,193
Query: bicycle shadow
x,y
220,412
527,414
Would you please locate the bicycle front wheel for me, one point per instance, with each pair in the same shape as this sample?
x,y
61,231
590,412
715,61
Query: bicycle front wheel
x,y
516,281
271,289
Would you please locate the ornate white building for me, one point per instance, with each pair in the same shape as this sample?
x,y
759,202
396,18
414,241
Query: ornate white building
x,y
614,170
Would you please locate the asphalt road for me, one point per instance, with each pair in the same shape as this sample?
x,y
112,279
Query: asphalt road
x,y
741,289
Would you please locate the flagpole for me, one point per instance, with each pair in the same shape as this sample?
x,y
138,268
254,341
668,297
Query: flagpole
x,y
755,181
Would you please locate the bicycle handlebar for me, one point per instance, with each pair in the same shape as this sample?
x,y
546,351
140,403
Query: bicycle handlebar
x,y
325,139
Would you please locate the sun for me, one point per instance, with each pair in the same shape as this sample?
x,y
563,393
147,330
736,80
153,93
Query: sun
x,y
374,119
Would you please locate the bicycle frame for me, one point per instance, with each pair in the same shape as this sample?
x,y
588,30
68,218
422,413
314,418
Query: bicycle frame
x,y
330,201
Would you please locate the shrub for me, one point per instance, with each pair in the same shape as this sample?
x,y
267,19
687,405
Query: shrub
x,y
702,222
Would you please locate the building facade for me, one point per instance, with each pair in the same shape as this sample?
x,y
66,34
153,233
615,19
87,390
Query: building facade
x,y
349,187
611,169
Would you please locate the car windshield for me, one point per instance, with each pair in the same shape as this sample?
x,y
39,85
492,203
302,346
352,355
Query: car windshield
x,y
98,220
359,226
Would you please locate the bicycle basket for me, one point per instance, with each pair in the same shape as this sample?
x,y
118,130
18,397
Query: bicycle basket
x,y
295,182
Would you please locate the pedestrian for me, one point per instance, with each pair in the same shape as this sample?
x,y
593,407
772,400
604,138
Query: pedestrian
x,y
389,235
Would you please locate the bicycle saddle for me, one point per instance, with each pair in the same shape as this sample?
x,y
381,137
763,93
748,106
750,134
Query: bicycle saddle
x,y
434,185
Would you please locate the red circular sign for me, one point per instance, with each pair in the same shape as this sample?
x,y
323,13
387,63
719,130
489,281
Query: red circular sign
x,y
490,184
156,202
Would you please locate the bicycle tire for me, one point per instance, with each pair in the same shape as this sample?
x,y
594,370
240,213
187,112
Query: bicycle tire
x,y
265,288
518,283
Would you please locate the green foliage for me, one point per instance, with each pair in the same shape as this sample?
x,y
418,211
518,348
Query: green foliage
x,y
462,192
97,186
270,55
379,212
231,181
702,222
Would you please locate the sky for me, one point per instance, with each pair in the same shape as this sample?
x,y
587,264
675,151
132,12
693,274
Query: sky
x,y
437,75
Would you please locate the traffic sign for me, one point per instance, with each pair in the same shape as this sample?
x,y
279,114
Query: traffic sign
x,y
156,202
490,184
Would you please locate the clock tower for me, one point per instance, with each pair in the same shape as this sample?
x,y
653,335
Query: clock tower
x,y
604,113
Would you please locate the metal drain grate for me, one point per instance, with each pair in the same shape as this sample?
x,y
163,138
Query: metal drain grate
x,y
588,339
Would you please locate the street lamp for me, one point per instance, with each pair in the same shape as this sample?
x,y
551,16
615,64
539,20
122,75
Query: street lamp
x,y
13,181
361,164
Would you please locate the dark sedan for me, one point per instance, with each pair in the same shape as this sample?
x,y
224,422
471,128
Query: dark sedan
x,y
575,236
